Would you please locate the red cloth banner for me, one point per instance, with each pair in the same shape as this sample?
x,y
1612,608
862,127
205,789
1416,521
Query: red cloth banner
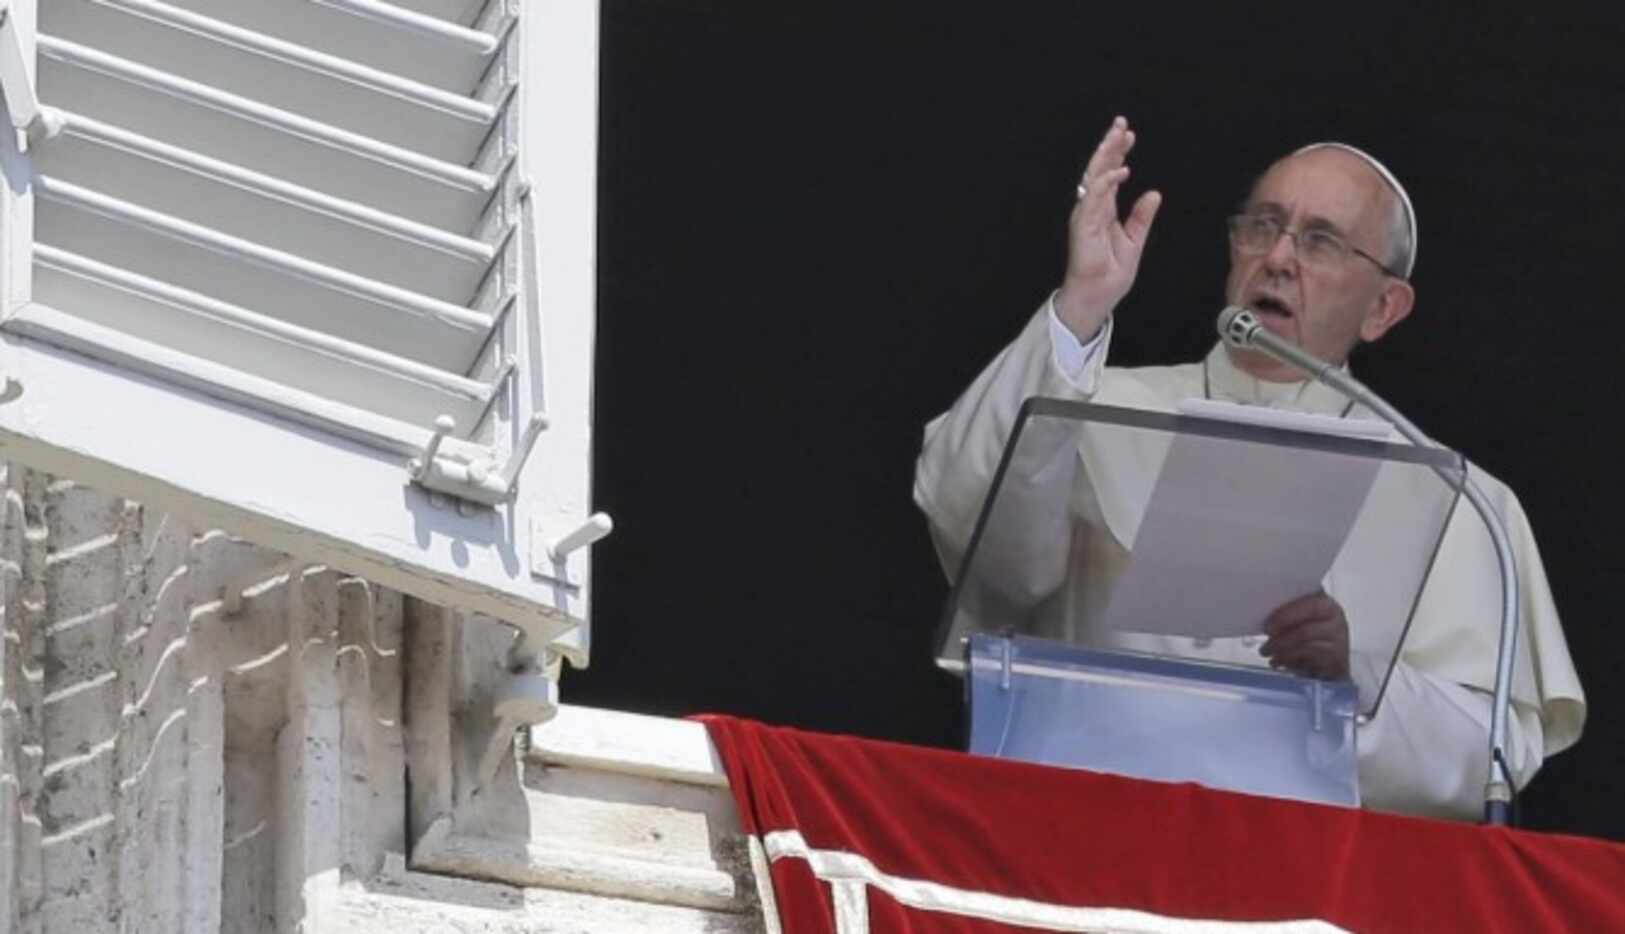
x,y
871,836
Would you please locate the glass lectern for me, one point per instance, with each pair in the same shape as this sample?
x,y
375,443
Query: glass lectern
x,y
1108,609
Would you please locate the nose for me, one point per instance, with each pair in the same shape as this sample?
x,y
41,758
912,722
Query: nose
x,y
1283,255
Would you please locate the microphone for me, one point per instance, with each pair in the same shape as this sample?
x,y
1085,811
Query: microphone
x,y
1241,328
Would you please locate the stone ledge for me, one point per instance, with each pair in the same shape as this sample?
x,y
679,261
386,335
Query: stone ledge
x,y
575,869
404,901
623,807
629,744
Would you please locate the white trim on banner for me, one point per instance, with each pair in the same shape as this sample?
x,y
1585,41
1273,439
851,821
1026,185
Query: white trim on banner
x,y
851,897
764,885
842,870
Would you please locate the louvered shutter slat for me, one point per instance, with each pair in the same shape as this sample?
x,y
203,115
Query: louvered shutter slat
x,y
267,210
454,60
159,219
237,129
73,332
225,57
461,12
91,150
190,322
311,294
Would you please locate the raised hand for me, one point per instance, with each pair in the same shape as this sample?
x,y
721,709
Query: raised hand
x,y
1103,251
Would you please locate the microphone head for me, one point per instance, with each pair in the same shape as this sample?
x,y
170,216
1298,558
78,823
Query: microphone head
x,y
1237,326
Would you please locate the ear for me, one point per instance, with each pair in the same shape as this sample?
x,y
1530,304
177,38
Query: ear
x,y
1392,306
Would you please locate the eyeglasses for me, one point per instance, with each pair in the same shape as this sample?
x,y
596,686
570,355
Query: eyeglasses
x,y
1258,233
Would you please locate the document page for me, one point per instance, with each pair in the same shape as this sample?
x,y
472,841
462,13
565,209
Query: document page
x,y
1234,530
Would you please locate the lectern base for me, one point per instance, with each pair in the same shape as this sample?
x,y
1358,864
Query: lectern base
x,y
1160,718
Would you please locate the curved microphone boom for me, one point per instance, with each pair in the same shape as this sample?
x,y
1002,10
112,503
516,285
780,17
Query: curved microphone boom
x,y
1241,328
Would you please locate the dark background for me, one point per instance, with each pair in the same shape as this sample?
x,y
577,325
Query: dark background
x,y
817,223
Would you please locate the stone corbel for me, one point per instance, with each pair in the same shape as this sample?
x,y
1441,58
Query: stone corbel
x,y
614,812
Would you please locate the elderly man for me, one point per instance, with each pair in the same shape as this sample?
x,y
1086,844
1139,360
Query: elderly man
x,y
1322,251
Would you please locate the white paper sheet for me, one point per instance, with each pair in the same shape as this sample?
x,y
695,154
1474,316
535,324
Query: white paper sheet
x,y
1235,530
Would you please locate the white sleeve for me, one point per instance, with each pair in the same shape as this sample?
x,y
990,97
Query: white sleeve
x,y
1077,360
1427,750
963,446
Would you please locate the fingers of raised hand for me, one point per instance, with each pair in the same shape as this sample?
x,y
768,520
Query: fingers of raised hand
x,y
1109,153
1100,201
1108,156
1141,215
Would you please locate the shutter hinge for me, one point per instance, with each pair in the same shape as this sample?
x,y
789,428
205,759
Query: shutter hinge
x,y
477,481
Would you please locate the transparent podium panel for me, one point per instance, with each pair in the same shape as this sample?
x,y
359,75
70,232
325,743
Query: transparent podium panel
x,y
1155,537
1164,719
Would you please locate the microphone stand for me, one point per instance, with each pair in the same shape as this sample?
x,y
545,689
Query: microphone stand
x,y
1240,328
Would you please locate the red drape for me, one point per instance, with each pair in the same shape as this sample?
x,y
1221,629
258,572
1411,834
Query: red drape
x,y
1067,837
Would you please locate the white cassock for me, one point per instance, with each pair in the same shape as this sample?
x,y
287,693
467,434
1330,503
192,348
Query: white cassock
x,y
1427,749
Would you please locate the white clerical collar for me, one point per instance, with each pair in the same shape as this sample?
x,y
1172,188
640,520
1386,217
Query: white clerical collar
x,y
1222,379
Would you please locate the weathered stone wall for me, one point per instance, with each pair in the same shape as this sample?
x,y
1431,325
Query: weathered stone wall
x,y
198,735
175,708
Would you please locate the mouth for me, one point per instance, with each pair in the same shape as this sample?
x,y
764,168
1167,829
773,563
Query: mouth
x,y
1268,306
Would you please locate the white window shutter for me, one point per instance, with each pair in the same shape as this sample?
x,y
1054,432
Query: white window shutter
x,y
256,251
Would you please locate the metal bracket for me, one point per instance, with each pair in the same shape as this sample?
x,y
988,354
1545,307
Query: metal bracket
x,y
1317,698
1005,663
40,123
560,554
473,481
